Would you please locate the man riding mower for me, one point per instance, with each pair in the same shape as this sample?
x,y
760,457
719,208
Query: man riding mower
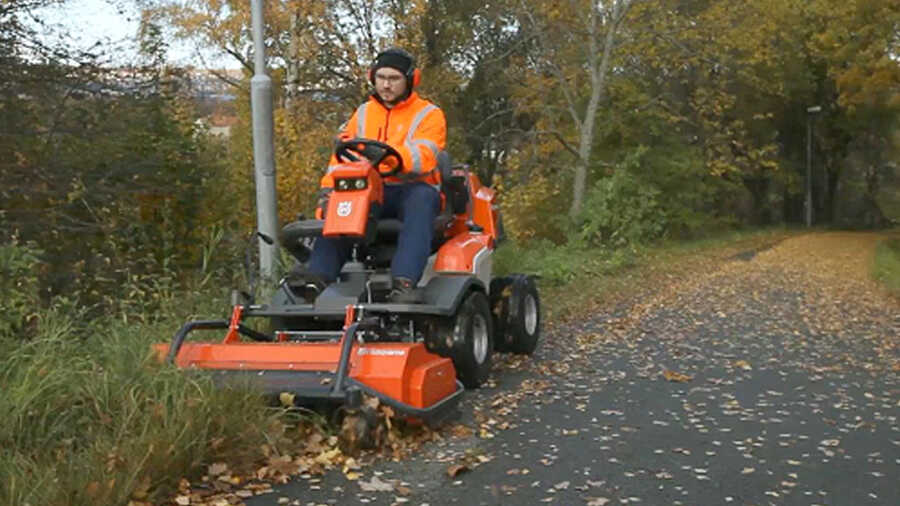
x,y
339,327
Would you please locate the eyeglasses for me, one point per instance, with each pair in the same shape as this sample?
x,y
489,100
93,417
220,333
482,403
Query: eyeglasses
x,y
393,78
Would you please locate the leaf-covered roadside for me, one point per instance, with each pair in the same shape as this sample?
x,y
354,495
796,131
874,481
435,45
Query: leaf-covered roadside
x,y
770,373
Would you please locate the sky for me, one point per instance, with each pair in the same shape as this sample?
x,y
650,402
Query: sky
x,y
90,21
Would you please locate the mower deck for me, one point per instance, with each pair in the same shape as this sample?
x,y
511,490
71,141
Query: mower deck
x,y
402,375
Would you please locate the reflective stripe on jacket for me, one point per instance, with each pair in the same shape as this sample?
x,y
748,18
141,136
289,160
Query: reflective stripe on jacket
x,y
416,128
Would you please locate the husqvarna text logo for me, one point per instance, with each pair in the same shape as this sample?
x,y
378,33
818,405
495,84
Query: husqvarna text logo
x,y
344,208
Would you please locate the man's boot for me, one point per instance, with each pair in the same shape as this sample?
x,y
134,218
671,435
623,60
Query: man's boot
x,y
403,291
304,283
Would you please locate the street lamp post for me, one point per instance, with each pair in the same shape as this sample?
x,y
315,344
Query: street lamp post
x,y
263,149
808,202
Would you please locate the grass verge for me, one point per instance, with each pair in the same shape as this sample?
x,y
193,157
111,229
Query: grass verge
x,y
90,417
886,266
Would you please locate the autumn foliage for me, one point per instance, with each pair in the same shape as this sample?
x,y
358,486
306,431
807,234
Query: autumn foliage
x,y
605,126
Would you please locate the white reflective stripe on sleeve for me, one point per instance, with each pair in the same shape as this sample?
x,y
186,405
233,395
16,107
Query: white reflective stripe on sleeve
x,y
416,157
418,119
413,145
429,143
361,120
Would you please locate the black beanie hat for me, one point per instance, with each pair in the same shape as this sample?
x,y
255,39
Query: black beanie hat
x,y
395,58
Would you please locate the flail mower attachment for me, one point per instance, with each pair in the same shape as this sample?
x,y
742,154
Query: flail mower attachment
x,y
314,368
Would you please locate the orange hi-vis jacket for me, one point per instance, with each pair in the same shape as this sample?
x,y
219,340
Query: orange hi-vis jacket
x,y
416,128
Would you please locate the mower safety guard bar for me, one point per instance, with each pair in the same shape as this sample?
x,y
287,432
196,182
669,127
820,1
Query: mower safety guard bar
x,y
210,325
433,414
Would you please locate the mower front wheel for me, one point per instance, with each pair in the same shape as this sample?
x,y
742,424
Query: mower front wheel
x,y
516,309
473,340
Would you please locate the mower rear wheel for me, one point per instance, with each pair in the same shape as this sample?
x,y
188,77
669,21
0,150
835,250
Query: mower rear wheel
x,y
473,340
516,308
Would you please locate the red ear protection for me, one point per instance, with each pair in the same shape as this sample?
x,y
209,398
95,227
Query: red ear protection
x,y
370,76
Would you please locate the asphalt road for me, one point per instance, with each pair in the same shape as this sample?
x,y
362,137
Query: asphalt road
x,y
764,380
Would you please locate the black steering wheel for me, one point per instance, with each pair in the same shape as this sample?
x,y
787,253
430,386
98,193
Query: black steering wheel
x,y
375,151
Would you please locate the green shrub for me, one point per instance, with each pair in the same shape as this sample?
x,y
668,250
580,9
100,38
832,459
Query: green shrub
x,y
887,265
654,193
19,284
557,264
620,210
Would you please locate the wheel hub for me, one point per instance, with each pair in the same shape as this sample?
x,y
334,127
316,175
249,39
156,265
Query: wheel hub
x,y
479,338
531,314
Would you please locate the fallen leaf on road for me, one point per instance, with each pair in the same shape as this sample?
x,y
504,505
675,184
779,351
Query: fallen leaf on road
x,y
743,364
456,469
597,501
676,376
376,485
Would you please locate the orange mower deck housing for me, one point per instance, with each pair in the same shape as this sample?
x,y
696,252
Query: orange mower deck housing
x,y
406,372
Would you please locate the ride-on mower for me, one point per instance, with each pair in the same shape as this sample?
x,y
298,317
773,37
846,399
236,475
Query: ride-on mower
x,y
349,339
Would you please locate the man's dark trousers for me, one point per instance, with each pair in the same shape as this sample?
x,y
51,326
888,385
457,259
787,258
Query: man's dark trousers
x,y
416,204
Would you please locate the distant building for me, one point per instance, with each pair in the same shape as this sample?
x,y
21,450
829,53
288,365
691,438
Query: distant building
x,y
220,124
206,85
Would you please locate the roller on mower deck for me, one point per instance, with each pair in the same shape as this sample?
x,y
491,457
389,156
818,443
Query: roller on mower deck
x,y
349,340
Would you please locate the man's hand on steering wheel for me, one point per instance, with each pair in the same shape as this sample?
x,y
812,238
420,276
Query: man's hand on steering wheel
x,y
376,152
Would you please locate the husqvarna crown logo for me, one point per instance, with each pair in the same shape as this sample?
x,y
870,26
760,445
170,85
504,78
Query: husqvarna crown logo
x,y
344,208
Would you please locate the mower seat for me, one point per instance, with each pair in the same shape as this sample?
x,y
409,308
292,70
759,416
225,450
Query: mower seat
x,y
386,229
296,237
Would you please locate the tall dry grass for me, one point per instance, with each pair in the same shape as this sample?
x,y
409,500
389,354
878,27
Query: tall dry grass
x,y
90,417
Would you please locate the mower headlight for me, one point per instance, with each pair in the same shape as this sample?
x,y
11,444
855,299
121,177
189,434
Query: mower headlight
x,y
352,183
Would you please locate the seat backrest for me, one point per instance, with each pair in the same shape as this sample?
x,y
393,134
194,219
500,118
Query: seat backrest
x,y
452,186
444,165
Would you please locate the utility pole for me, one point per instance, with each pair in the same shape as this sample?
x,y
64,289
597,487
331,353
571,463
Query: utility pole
x,y
263,148
808,202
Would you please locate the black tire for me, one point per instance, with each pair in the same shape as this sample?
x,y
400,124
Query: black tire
x,y
501,290
473,341
516,307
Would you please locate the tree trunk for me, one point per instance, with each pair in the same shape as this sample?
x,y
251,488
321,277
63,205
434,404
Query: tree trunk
x,y
598,83
292,65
